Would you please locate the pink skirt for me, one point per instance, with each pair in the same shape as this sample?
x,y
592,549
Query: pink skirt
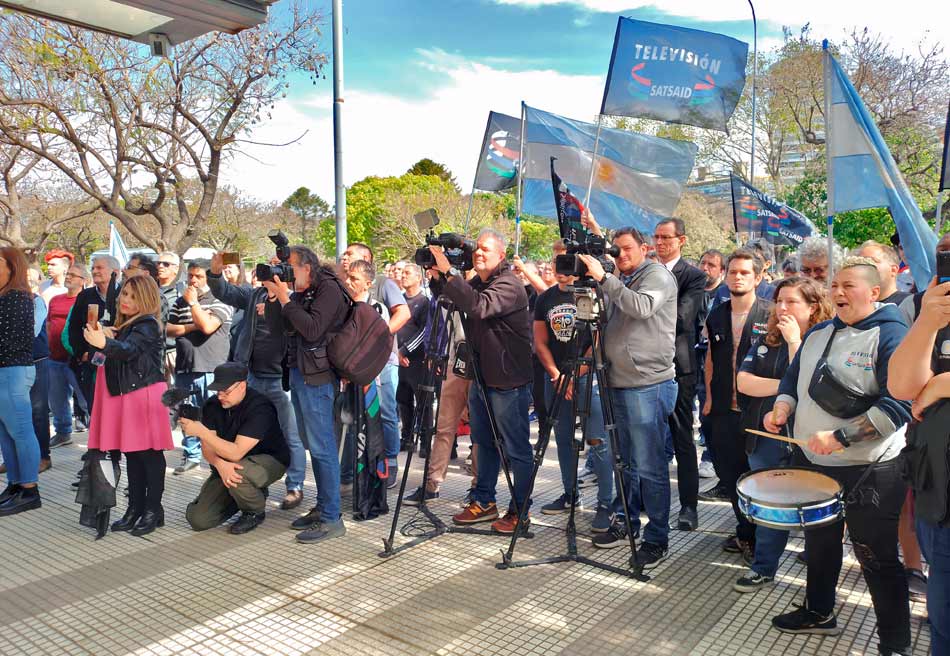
x,y
136,421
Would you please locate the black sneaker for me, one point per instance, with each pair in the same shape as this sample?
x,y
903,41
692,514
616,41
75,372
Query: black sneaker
x,y
186,465
717,494
415,498
603,518
586,480
247,522
613,537
559,506
751,582
688,520
308,521
803,620
650,555
322,531
60,439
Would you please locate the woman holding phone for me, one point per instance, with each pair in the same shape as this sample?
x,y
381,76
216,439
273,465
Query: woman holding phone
x,y
21,452
128,414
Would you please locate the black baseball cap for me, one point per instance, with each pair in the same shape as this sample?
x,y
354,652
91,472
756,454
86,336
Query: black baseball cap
x,y
226,375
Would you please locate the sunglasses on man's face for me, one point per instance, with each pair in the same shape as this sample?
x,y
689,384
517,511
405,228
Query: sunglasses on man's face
x,y
166,264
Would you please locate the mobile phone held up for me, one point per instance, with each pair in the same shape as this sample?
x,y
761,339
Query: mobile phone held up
x,y
943,266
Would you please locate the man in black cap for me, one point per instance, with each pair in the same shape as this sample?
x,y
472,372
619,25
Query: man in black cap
x,y
242,440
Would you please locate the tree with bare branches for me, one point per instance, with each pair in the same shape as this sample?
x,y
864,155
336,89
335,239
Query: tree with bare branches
x,y
129,130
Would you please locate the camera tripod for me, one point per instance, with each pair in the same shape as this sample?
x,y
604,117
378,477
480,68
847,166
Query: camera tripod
x,y
588,334
436,363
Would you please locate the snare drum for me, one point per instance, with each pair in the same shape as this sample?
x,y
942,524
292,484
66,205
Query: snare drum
x,y
790,498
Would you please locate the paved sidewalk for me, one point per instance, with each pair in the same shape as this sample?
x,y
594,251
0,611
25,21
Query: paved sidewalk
x,y
178,592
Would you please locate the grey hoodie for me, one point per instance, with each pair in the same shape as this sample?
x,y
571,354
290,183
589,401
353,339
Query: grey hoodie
x,y
641,326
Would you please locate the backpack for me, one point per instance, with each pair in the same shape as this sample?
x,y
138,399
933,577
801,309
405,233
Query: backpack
x,y
361,347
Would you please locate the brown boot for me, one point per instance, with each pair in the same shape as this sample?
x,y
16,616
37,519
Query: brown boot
x,y
45,464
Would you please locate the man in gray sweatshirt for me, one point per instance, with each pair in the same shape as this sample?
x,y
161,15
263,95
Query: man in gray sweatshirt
x,y
639,340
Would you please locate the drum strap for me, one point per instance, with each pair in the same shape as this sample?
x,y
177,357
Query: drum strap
x,y
852,495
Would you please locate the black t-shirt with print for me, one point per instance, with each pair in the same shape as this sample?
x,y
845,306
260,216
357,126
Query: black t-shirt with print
x,y
254,417
557,310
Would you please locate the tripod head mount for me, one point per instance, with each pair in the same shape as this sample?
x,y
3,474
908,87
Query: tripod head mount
x,y
588,299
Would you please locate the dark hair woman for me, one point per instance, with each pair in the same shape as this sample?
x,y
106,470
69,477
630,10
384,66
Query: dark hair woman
x,y
128,414
21,452
800,303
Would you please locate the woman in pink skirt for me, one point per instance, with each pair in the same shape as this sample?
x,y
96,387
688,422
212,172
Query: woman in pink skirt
x,y
128,414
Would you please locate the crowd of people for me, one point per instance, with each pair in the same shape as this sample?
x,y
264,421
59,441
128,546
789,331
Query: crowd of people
x,y
731,342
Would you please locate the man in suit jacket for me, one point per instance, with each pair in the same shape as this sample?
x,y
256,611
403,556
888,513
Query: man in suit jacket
x,y
669,237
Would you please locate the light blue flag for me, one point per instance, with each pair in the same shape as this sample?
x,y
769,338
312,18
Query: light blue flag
x,y
117,247
862,173
638,179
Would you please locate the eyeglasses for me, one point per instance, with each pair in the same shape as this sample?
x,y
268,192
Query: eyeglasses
x,y
166,264
140,268
665,237
77,277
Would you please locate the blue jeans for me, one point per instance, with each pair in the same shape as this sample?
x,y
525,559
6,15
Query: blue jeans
x,y
511,414
388,410
39,401
769,542
274,391
62,386
935,544
598,454
642,414
313,405
191,445
21,453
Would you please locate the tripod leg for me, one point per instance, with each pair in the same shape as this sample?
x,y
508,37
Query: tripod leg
x,y
542,446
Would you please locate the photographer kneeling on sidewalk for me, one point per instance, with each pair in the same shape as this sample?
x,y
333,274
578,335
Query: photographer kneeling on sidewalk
x,y
242,441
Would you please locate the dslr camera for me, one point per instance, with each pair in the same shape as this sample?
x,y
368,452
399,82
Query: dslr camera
x,y
282,270
571,265
458,249
174,400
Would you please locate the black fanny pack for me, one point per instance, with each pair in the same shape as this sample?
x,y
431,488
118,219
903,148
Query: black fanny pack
x,y
833,396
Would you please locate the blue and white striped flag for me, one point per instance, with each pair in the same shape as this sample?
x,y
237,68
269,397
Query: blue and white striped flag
x,y
117,247
862,173
638,179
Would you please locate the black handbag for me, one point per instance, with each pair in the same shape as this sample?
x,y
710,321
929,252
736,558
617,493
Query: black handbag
x,y
833,396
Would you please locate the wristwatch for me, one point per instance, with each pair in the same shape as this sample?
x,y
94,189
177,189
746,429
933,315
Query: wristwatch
x,y
454,272
842,438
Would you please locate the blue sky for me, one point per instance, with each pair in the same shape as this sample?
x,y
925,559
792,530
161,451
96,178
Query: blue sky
x,y
421,75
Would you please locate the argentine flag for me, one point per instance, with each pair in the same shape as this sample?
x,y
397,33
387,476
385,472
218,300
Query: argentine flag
x,y
117,247
862,174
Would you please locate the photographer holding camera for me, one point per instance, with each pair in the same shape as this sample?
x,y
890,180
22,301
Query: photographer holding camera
x,y
498,327
242,441
316,307
260,347
640,344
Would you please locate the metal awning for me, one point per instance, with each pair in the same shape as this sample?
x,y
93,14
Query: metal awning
x,y
178,20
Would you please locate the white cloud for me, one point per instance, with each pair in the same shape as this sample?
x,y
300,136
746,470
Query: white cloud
x,y
385,135
904,24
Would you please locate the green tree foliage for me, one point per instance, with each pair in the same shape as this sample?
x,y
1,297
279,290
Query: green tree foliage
x,y
427,166
310,209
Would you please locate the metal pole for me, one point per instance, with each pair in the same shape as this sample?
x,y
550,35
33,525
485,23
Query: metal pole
x,y
593,161
755,74
340,196
468,215
830,149
518,186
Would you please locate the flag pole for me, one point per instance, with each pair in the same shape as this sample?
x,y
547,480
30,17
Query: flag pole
x,y
938,219
593,160
826,69
518,186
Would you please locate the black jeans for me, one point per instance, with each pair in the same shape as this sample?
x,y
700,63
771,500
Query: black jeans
x,y
727,440
146,474
681,427
39,400
872,523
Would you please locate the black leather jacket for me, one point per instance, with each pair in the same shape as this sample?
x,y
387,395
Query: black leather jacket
x,y
134,359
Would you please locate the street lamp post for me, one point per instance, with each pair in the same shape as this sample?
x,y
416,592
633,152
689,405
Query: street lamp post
x,y
755,74
340,195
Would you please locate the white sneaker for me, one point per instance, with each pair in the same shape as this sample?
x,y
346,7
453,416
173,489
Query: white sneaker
x,y
706,470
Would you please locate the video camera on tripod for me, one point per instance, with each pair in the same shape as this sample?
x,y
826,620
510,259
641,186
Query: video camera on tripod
x,y
594,245
458,249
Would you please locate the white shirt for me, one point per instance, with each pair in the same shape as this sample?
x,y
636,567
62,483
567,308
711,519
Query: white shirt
x,y
672,263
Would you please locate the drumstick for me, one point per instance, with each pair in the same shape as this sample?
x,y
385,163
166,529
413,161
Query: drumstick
x,y
801,443
777,437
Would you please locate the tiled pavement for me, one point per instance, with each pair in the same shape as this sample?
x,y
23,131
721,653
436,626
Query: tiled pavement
x,y
178,592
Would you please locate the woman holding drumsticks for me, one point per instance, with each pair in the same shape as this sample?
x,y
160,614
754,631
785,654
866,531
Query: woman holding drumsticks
x,y
800,303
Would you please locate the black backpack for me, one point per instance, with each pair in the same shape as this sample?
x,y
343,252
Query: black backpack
x,y
360,348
